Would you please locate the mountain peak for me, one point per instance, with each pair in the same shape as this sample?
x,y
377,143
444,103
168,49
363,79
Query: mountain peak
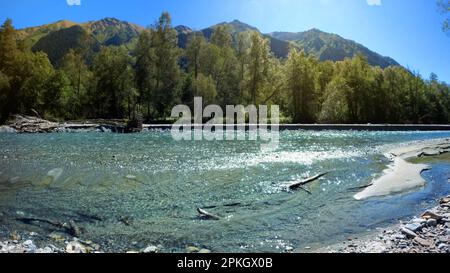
x,y
241,26
183,29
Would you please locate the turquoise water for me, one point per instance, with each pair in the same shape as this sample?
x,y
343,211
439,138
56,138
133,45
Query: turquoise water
x,y
130,191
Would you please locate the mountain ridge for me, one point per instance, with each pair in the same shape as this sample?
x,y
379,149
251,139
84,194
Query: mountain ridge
x,y
112,31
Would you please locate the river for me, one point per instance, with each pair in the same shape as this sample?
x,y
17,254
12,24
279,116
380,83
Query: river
x,y
130,191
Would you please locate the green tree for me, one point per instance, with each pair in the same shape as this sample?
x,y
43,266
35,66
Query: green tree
x,y
167,70
300,82
206,88
115,82
8,47
444,7
258,67
4,96
145,69
34,71
57,87
195,46
356,72
335,108
80,79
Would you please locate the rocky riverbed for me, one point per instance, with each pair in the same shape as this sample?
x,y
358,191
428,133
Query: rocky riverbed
x,y
59,243
427,233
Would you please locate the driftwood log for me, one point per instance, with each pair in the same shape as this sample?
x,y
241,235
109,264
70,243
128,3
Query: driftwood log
x,y
361,187
300,184
70,228
206,215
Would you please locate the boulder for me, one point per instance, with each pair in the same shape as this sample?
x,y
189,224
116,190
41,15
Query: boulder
x,y
431,215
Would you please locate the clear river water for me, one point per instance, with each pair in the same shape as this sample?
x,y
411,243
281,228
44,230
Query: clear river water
x,y
130,191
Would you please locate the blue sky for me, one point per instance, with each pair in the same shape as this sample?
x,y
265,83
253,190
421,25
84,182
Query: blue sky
x,y
407,30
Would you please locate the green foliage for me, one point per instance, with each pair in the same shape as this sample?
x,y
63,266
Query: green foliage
x,y
157,68
59,43
115,83
335,108
227,65
300,72
206,88
444,7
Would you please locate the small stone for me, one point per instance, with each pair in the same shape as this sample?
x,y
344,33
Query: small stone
x,y
192,249
151,249
45,250
443,239
75,247
423,242
432,222
399,237
409,233
445,200
20,213
420,221
430,215
443,246
15,236
204,251
56,237
132,252
29,246
414,227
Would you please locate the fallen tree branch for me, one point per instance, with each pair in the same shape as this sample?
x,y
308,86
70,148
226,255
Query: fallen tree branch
x,y
204,214
71,228
300,184
361,187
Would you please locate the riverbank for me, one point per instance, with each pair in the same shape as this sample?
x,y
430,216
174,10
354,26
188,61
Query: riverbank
x,y
426,233
29,124
403,175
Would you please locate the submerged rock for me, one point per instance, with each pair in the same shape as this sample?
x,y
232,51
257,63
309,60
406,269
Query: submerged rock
x,y
75,247
151,249
192,249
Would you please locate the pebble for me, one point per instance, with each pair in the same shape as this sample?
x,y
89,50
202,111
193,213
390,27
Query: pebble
x,y
56,237
151,249
409,233
413,226
432,222
423,242
399,237
443,246
204,251
192,249
75,247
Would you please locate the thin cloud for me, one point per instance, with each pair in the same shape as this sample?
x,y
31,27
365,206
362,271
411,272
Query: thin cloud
x,y
74,2
374,2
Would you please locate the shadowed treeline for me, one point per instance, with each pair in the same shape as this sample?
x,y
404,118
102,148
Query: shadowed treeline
x,y
155,75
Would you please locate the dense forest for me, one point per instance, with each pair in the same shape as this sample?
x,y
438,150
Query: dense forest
x,y
147,81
